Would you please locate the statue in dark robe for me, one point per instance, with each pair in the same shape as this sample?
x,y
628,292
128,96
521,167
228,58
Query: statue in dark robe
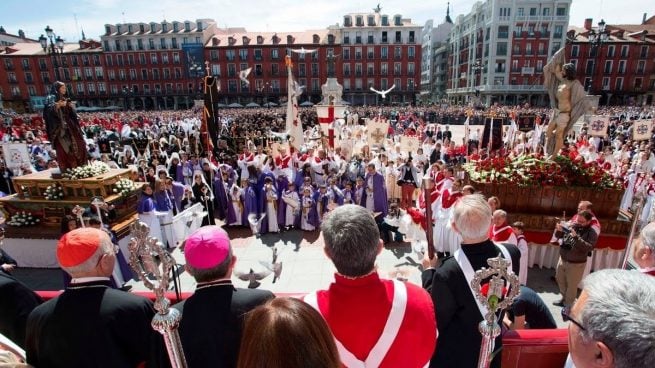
x,y
64,130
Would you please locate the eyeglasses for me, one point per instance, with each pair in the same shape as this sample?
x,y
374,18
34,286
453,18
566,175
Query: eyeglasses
x,y
567,318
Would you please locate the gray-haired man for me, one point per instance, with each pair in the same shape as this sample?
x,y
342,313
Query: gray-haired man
x,y
612,321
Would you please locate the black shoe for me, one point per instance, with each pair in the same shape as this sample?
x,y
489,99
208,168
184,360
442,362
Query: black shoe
x,y
559,303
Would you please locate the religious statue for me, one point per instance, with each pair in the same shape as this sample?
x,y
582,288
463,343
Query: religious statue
x,y
567,99
64,130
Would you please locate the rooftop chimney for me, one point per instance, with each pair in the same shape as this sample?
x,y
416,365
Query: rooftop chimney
x,y
643,20
587,23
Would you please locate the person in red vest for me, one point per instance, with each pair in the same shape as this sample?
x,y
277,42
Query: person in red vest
x,y
644,250
500,231
358,305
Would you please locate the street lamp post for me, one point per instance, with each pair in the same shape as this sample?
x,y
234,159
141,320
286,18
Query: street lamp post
x,y
264,89
54,49
477,69
126,98
597,37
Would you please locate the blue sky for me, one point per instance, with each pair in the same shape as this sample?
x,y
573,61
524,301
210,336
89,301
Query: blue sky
x,y
256,15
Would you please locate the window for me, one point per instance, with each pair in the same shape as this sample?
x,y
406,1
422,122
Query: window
x,y
385,21
358,53
384,52
589,69
410,68
398,38
144,74
644,52
29,78
398,53
275,69
370,53
397,68
560,12
275,54
346,84
230,55
176,58
128,45
638,83
384,69
315,69
151,44
162,43
610,51
622,64
558,31
546,11
358,70
608,67
641,66
346,53
358,37
31,90
346,38
243,54
624,51
619,84
216,70
167,74
117,46
258,54
411,36
153,58
501,48
410,52
503,31
606,83
346,70
231,70
384,37
370,69
164,58
533,12
174,42
370,38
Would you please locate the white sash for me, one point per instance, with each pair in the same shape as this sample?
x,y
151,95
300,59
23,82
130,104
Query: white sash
x,y
498,231
389,333
467,269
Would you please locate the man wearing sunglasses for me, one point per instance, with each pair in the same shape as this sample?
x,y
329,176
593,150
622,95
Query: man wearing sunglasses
x,y
611,323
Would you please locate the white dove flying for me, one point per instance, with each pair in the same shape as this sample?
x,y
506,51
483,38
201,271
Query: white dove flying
x,y
303,51
243,75
297,88
383,93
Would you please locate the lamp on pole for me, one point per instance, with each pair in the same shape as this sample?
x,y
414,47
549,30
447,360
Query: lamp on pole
x,y
263,88
597,37
53,49
477,68
127,92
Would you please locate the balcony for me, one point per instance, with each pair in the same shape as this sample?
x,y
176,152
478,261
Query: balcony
x,y
9,67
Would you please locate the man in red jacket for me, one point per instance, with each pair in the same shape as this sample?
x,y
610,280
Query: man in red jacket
x,y
375,322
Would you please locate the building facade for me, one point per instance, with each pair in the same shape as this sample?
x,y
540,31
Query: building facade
x,y
161,65
379,51
433,73
156,65
498,50
621,70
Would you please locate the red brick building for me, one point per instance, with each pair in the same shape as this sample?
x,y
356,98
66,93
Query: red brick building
x,y
622,69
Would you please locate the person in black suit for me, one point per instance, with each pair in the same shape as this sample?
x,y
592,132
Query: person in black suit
x,y
212,318
90,324
16,303
457,313
7,263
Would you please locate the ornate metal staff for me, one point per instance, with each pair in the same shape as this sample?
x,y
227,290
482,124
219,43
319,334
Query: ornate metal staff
x,y
152,264
428,186
494,301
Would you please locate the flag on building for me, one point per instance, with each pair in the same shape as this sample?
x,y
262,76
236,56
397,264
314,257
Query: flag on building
x,y
293,125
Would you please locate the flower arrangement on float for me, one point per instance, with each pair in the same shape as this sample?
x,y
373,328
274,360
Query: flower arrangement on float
x,y
86,171
54,192
537,171
124,187
23,218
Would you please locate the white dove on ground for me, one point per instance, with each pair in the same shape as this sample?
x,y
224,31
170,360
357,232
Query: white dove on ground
x,y
243,75
303,51
273,266
383,93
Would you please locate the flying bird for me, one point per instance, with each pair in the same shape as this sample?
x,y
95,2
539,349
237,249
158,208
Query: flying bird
x,y
303,51
252,277
243,75
297,88
383,93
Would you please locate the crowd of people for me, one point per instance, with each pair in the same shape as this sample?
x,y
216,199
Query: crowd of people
x,y
359,196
